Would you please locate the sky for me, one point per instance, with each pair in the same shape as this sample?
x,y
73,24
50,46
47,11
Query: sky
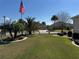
x,y
42,10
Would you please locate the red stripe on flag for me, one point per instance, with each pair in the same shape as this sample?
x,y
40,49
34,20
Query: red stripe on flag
x,y
22,10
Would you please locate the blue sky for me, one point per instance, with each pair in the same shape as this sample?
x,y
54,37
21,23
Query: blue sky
x,y
41,9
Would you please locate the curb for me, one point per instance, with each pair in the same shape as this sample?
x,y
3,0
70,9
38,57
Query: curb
x,y
75,44
20,40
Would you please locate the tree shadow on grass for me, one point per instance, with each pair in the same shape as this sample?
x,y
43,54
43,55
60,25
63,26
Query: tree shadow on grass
x,y
5,41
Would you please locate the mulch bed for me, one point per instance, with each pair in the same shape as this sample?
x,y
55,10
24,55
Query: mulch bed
x,y
9,39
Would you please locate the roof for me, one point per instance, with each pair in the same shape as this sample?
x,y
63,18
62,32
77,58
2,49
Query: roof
x,y
75,17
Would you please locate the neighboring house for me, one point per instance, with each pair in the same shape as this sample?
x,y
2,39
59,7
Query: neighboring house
x,y
43,31
58,25
75,27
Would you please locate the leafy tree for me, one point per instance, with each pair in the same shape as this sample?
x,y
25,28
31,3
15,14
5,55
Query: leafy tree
x,y
35,26
23,25
18,27
22,21
8,27
50,28
15,27
64,18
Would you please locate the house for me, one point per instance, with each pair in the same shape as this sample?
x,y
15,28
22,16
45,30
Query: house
x,y
75,27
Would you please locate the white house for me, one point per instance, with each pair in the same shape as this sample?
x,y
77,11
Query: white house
x,y
76,24
75,27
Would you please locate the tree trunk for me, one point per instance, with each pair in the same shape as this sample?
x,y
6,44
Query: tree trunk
x,y
21,32
62,28
30,32
39,32
10,32
49,32
15,34
54,25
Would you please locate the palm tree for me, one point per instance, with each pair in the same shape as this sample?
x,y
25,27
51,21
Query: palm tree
x,y
44,25
30,22
54,18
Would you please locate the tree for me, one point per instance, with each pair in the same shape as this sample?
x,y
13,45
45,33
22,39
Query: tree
x,y
49,28
54,18
22,21
30,24
64,18
44,25
9,28
23,25
18,27
14,27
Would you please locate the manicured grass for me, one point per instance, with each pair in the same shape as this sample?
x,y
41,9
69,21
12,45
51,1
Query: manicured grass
x,y
40,47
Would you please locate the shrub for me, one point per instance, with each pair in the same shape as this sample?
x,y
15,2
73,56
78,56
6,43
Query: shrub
x,y
70,34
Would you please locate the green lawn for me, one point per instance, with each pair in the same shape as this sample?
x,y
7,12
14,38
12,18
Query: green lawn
x,y
40,47
63,30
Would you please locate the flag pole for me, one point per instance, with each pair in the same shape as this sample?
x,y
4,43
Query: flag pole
x,y
20,7
21,15
21,12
